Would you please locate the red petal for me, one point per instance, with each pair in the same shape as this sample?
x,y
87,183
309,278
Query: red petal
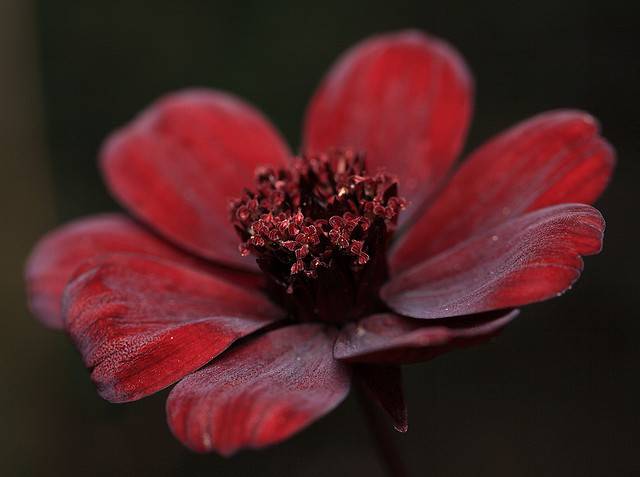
x,y
403,98
383,385
259,393
556,157
141,323
179,163
528,259
59,253
389,338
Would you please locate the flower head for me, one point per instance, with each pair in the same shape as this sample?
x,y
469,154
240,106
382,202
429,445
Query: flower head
x,y
264,283
319,228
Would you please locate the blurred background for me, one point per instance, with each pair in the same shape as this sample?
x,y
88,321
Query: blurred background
x,y
556,394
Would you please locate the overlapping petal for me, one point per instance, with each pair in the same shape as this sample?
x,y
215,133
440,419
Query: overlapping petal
x,y
528,259
393,339
404,99
261,392
142,323
556,157
179,163
58,254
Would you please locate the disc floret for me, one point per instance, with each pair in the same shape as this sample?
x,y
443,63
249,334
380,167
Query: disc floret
x,y
323,212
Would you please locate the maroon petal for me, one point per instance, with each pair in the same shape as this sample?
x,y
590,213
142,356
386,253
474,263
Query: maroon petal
x,y
389,338
404,99
142,323
179,163
383,385
58,254
528,259
556,157
259,393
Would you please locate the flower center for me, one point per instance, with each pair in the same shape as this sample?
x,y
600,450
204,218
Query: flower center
x,y
319,230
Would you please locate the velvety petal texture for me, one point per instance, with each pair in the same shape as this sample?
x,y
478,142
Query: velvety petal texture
x,y
179,163
404,99
389,338
260,392
556,157
528,259
60,252
142,323
383,385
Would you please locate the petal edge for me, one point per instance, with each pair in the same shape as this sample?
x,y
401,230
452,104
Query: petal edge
x,y
177,165
259,393
553,158
528,259
141,323
404,99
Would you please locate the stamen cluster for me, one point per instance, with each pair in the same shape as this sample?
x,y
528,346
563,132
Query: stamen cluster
x,y
318,209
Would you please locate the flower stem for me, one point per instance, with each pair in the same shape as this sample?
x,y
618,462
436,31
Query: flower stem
x,y
381,434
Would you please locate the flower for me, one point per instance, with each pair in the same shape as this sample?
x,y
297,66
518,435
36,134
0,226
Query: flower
x,y
264,294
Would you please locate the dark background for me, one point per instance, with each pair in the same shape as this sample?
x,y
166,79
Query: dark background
x,y
555,395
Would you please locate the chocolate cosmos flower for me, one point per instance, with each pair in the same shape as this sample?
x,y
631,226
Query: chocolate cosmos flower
x,y
264,284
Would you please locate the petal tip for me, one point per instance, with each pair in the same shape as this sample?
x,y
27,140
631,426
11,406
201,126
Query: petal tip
x,y
402,428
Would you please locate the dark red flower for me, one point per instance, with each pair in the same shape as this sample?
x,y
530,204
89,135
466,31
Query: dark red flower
x,y
368,253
